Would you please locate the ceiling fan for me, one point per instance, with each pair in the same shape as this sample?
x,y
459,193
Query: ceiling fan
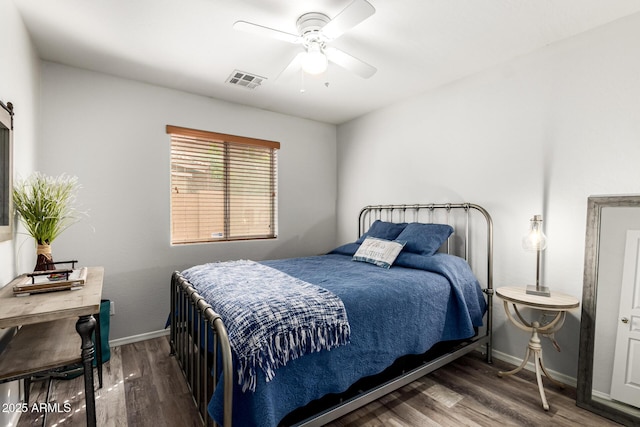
x,y
315,33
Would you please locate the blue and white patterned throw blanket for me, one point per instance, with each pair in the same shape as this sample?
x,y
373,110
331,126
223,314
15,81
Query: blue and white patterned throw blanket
x,y
270,317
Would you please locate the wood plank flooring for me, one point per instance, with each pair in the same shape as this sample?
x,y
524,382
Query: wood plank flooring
x,y
143,386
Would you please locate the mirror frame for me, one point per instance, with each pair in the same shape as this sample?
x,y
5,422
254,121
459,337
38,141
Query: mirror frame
x,y
584,398
6,119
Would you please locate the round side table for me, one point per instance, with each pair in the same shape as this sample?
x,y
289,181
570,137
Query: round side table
x,y
559,303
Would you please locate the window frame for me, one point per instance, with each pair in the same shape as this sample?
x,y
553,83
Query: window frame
x,y
229,147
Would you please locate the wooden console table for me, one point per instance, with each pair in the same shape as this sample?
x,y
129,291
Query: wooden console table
x,y
48,309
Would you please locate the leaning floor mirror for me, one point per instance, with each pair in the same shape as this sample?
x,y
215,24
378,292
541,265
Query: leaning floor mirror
x,y
609,359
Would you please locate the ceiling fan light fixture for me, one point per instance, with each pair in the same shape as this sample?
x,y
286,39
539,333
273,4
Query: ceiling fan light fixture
x,y
314,61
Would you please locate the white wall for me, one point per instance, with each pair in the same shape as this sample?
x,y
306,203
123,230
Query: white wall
x,y
110,132
535,135
19,84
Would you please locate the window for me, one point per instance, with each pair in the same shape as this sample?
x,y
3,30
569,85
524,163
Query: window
x,y
223,187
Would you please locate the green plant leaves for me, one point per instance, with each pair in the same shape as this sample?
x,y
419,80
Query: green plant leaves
x,y
45,205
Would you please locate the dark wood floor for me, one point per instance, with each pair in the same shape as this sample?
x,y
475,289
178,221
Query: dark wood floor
x,y
143,386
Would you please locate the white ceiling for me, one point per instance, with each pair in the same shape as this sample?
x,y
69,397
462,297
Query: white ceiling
x,y
416,45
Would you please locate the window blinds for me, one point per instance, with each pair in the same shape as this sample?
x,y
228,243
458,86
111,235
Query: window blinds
x,y
223,187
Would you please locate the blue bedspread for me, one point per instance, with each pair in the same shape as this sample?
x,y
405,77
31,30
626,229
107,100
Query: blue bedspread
x,y
392,312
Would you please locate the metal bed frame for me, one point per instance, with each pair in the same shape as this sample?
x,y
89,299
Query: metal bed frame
x,y
192,316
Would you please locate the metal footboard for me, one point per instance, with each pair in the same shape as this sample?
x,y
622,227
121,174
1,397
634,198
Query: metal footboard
x,y
192,320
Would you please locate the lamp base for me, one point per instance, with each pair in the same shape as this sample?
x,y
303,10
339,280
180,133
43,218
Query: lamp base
x,y
542,291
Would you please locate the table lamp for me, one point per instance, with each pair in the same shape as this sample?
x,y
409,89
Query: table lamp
x,y
536,241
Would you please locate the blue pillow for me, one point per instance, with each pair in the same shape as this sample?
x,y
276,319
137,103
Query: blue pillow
x,y
424,239
383,230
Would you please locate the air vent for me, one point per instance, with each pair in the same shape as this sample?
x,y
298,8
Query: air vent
x,y
244,79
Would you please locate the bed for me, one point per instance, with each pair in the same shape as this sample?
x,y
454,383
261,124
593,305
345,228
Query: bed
x,y
379,325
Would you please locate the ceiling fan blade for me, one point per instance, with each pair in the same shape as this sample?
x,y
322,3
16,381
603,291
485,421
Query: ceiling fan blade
x,y
260,30
350,63
294,66
352,15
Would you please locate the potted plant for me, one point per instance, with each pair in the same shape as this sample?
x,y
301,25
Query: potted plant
x,y
45,206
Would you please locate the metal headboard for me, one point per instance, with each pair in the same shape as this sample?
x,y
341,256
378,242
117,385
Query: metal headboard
x,y
428,213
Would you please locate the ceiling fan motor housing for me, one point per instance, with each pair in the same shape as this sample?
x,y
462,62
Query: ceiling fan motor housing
x,y
310,25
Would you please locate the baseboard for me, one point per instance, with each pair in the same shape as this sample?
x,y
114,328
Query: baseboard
x,y
139,337
565,379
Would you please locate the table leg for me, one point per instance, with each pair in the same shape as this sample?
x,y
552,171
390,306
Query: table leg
x,y
538,362
85,327
98,346
534,348
519,368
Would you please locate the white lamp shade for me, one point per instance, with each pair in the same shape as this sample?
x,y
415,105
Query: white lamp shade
x,y
314,60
